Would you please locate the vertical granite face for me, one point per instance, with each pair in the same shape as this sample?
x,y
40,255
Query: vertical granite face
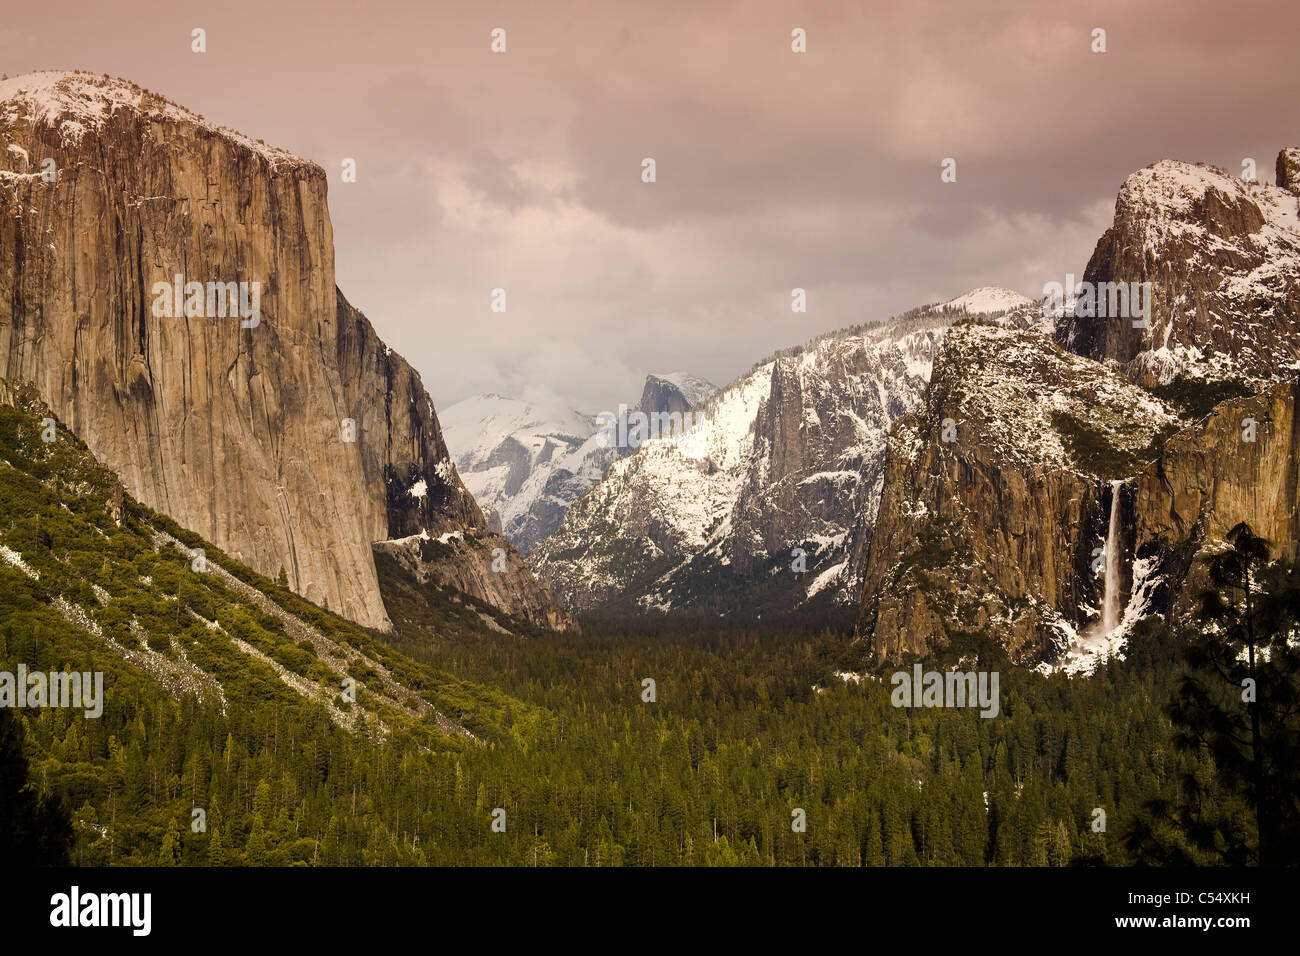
x,y
1288,169
819,435
989,535
1241,463
236,432
989,512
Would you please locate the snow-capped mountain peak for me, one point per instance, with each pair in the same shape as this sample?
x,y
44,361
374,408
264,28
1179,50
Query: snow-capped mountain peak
x,y
986,300
787,456
526,462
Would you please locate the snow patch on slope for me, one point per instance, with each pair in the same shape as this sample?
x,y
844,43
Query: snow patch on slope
x,y
1013,386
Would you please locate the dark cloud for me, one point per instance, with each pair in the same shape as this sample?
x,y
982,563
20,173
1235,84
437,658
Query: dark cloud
x,y
774,170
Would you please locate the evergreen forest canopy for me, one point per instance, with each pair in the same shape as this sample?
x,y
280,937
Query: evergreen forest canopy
x,y
748,725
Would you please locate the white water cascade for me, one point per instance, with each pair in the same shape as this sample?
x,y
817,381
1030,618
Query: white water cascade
x,y
1110,609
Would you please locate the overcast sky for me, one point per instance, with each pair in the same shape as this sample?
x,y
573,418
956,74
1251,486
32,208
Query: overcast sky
x,y
820,170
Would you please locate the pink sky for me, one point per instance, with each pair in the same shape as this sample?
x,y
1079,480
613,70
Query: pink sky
x,y
775,170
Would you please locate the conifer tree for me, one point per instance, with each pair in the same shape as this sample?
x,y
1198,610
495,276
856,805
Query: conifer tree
x,y
34,829
1237,705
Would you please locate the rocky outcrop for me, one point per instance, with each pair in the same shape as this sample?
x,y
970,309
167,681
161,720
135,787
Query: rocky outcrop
x,y
817,455
1241,463
1288,169
1222,257
483,564
677,393
288,433
996,493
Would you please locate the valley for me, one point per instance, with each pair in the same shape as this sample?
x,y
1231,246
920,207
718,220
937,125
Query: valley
x,y
352,630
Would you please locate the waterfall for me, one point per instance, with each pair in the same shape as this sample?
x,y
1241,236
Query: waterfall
x,y
1110,603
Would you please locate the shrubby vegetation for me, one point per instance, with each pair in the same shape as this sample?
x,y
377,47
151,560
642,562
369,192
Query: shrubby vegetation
x,y
1092,450
1195,398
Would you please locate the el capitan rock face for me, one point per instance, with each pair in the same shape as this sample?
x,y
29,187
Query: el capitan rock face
x,y
235,432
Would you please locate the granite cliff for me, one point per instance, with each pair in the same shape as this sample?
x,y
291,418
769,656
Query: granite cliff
x,y
282,429
1061,477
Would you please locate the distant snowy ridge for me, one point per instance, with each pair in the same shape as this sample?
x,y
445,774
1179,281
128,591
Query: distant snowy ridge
x,y
527,461
524,461
986,300
788,455
694,389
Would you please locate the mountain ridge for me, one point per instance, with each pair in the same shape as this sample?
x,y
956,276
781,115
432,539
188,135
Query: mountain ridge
x,y
691,517
527,463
